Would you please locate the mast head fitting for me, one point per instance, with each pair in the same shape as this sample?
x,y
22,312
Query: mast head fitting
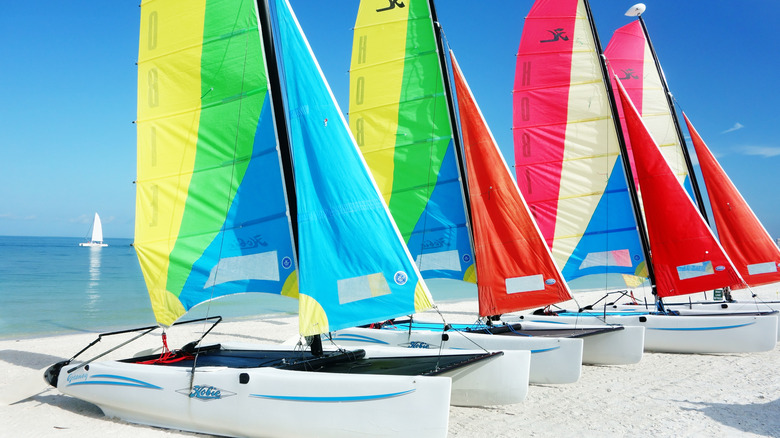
x,y
636,10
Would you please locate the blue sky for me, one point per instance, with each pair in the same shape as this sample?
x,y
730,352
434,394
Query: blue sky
x,y
67,142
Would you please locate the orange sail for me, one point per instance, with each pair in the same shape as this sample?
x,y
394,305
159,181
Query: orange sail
x,y
745,240
686,256
515,269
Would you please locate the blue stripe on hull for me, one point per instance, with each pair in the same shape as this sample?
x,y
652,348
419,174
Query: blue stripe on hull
x,y
356,398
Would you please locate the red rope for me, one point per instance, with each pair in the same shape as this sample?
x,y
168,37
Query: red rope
x,y
167,356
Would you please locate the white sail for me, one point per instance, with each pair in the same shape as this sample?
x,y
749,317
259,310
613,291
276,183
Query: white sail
x,y
97,230
97,234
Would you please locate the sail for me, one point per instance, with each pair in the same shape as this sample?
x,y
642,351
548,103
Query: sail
x,y
400,118
97,229
567,155
211,214
686,256
632,60
354,266
745,240
515,269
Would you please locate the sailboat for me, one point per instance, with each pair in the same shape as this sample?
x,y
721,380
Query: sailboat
x,y
514,274
96,239
249,180
575,171
751,249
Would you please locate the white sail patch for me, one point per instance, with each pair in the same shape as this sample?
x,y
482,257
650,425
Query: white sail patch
x,y
263,266
695,270
762,268
620,257
439,261
361,288
528,283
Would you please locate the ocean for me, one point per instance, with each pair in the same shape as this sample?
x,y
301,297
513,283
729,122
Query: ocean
x,y
51,286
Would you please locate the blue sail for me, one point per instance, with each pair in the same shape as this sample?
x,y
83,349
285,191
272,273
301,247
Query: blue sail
x,y
354,267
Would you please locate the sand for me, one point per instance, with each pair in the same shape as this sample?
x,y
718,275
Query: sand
x,y
669,395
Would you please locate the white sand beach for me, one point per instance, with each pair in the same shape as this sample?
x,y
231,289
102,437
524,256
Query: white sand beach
x,y
665,395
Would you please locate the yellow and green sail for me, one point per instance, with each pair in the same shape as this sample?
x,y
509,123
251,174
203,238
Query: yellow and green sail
x,y
400,118
205,142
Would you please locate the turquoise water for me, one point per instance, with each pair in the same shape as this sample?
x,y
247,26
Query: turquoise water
x,y
50,285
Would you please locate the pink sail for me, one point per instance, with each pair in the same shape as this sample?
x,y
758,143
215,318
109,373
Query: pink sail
x,y
567,150
631,60
515,270
686,256
746,241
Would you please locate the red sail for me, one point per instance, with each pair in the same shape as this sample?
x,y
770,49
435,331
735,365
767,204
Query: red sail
x,y
745,240
686,256
515,269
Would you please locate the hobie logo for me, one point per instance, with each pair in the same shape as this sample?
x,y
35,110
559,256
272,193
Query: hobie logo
x,y
628,74
393,4
205,392
400,278
419,344
286,263
557,35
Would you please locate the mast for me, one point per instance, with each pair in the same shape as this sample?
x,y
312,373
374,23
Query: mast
x,y
280,119
453,121
640,224
670,103
277,102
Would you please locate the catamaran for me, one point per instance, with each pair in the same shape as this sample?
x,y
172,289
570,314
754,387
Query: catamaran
x,y
249,180
439,197
574,169
96,235
757,258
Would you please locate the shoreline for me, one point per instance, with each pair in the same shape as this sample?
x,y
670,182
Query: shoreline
x,y
663,395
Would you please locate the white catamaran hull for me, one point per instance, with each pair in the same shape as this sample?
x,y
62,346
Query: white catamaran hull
x,y
500,380
616,347
272,402
710,308
543,360
688,334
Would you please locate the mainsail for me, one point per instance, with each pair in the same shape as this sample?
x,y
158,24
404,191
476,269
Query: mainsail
x,y
745,240
631,59
515,269
216,209
686,256
400,117
211,213
567,153
97,229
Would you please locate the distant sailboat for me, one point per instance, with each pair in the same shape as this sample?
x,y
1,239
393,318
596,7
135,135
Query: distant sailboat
x,y
96,240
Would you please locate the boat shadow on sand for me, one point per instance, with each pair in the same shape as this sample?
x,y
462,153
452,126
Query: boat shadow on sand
x,y
755,418
28,359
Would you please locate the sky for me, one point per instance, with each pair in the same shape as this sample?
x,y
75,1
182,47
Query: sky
x,y
67,141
